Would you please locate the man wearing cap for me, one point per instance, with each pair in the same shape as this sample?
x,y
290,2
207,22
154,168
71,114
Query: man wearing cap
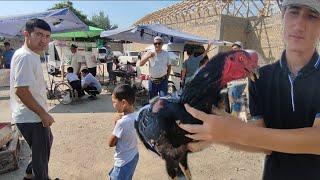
x,y
236,46
236,89
284,104
75,60
159,69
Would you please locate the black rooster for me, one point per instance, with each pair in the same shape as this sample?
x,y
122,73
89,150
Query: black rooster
x,y
156,123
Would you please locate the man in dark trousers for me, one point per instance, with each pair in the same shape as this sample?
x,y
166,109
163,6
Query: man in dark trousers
x,y
109,63
284,103
28,97
159,69
90,84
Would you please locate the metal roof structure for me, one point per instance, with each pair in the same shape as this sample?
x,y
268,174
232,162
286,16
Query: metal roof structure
x,y
197,9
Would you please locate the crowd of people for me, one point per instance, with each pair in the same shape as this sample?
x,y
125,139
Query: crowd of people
x,y
285,114
81,75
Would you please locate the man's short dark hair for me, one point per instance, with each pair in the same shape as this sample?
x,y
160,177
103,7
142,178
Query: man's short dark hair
x,y
126,92
70,70
189,52
37,23
74,46
6,44
86,71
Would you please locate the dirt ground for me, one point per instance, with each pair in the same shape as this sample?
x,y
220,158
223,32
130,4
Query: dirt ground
x,y
80,148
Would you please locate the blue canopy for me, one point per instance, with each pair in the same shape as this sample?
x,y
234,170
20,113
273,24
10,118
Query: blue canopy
x,y
145,34
60,20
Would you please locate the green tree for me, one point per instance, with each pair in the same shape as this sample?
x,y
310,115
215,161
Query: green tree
x,y
102,21
79,14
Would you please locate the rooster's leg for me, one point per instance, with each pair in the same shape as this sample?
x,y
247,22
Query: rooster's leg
x,y
183,164
198,146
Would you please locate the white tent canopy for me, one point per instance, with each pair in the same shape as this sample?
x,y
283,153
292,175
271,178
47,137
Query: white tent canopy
x,y
60,20
145,34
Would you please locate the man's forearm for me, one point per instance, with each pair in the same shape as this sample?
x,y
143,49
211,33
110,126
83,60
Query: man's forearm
x,y
298,141
183,74
143,61
246,148
207,50
168,71
28,100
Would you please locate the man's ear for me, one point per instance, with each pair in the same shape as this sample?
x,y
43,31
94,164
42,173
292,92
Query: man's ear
x,y
124,102
26,33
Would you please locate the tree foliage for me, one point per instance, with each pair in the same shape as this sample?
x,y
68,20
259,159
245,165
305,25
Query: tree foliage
x,y
102,21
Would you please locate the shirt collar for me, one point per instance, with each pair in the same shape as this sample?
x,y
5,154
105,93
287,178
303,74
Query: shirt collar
x,y
313,64
29,50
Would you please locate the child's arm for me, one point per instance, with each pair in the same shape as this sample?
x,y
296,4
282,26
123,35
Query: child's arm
x,y
112,141
117,131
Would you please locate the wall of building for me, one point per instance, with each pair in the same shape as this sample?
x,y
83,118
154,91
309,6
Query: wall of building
x,y
265,36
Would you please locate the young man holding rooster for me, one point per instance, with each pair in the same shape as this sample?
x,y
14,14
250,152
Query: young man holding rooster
x,y
284,103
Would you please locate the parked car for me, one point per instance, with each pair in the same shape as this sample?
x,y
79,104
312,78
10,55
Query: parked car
x,y
116,54
102,53
130,57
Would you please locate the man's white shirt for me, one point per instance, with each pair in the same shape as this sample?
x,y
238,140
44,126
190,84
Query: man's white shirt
x,y
76,58
26,70
158,65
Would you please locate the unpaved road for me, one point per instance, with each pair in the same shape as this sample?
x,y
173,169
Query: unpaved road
x,y
80,148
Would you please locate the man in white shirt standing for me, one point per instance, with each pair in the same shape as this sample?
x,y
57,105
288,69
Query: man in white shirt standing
x,y
28,97
109,62
75,60
159,69
91,62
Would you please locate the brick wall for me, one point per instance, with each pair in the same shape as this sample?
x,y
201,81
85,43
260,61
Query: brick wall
x,y
265,36
233,29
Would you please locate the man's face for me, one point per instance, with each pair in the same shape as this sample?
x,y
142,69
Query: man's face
x,y
157,45
235,48
301,28
73,50
38,40
83,74
7,47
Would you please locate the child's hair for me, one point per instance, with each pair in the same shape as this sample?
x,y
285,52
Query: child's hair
x,y
86,71
70,70
125,92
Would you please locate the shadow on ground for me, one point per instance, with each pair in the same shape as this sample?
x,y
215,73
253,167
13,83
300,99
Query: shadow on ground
x,y
84,105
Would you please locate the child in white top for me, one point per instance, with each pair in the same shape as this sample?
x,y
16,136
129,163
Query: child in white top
x,y
124,134
74,81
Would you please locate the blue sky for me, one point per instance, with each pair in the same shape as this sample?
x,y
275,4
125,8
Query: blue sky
x,y
122,13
